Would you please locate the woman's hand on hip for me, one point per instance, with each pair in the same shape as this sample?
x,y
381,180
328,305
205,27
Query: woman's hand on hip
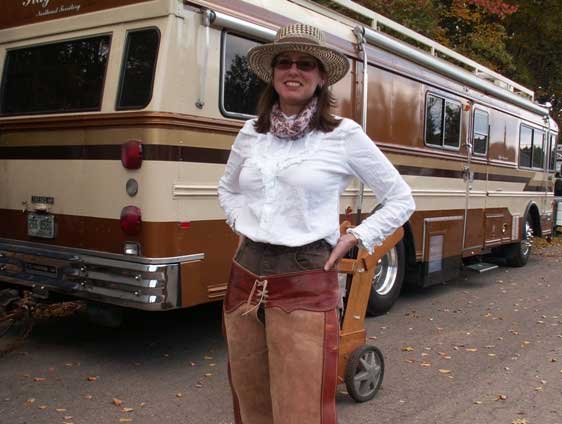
x,y
346,242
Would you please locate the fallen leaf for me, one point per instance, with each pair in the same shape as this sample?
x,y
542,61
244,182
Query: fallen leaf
x,y
407,349
520,421
60,409
538,389
478,402
501,397
142,404
491,354
89,397
127,409
425,364
125,420
471,349
117,402
92,378
31,400
68,417
179,395
444,371
43,407
39,379
198,385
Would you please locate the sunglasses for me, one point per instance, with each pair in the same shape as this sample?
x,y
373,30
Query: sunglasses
x,y
305,65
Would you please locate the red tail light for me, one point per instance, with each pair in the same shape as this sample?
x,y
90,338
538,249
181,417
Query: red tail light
x,y
131,154
131,220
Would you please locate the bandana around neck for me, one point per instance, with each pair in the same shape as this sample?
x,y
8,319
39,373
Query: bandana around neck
x,y
292,129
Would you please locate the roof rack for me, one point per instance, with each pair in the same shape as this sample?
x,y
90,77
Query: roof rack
x,y
380,23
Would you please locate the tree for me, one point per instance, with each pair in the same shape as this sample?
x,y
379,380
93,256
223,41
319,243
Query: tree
x,y
535,42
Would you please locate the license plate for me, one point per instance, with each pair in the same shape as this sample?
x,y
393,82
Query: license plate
x,y
41,225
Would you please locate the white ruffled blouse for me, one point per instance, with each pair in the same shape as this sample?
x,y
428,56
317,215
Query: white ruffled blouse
x,y
288,192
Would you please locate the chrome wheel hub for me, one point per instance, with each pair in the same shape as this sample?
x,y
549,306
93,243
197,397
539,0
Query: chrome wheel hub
x,y
386,273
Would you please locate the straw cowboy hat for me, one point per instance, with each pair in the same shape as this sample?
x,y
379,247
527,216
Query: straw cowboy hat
x,y
303,39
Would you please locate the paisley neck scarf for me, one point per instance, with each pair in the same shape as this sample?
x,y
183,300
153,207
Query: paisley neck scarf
x,y
290,128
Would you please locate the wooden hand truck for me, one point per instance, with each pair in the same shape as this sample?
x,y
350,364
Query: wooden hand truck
x,y
361,365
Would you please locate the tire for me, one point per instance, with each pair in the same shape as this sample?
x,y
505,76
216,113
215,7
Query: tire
x,y
364,373
387,281
517,254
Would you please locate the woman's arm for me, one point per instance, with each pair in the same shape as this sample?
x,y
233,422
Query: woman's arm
x,y
230,197
370,165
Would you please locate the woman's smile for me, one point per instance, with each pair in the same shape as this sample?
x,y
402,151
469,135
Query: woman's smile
x,y
294,85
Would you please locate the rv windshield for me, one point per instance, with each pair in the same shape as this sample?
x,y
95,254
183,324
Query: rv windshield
x,y
53,78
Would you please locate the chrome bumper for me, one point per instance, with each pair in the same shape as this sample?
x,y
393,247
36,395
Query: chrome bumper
x,y
142,283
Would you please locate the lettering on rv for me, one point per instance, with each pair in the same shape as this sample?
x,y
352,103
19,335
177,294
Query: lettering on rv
x,y
43,3
54,11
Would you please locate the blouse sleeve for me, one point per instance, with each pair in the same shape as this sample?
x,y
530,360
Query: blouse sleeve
x,y
230,197
371,166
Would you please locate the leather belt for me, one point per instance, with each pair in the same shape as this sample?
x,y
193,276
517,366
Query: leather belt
x,y
315,290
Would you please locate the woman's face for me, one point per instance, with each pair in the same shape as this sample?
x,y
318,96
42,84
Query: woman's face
x,y
295,78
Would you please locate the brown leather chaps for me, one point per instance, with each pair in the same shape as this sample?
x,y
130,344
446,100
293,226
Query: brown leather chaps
x,y
282,334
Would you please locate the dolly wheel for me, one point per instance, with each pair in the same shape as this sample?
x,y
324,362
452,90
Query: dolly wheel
x,y
364,373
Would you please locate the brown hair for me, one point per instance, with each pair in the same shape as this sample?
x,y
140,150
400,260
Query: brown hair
x,y
322,120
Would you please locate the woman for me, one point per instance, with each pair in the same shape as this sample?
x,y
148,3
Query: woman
x,y
280,192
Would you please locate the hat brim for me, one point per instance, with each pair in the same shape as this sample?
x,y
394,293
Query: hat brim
x,y
260,58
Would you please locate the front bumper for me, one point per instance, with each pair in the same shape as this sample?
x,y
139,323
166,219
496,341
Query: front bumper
x,y
136,282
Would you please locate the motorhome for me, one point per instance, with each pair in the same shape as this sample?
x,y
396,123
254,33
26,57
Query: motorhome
x,y
117,116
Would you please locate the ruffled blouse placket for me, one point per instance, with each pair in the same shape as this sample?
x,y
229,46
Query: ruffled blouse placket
x,y
270,163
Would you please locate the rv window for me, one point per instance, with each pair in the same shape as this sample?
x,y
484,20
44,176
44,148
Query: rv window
x,y
480,136
452,124
442,122
240,87
552,153
434,120
538,149
54,78
137,71
525,146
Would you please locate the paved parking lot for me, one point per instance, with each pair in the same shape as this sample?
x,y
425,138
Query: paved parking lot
x,y
481,349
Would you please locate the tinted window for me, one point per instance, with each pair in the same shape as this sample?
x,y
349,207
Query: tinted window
x,y
480,136
241,88
552,153
452,124
525,146
442,122
538,149
58,77
138,69
434,121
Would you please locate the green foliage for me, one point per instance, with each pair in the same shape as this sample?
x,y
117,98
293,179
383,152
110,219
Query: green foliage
x,y
521,39
536,45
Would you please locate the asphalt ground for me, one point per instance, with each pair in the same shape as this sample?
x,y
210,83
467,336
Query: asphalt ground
x,y
484,348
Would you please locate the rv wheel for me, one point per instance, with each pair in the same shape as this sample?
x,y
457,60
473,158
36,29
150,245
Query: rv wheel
x,y
387,281
518,254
